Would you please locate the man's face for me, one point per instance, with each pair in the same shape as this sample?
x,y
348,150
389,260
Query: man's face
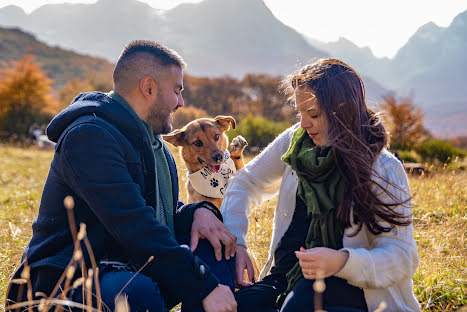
x,y
168,100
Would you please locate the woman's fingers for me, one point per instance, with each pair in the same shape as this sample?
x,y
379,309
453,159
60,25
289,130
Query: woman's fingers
x,y
243,262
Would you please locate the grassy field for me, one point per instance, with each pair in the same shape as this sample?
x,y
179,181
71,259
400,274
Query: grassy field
x,y
440,220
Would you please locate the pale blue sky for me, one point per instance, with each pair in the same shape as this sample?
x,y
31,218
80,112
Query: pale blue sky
x,y
384,26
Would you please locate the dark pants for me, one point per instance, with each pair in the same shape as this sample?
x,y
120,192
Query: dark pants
x,y
262,296
224,269
142,293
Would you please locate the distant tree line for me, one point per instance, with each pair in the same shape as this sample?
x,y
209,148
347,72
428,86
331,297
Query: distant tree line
x,y
261,110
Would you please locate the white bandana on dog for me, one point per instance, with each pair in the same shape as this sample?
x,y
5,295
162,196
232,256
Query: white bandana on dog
x,y
213,184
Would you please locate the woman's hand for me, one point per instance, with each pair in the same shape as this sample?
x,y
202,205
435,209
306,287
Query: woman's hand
x,y
242,263
321,262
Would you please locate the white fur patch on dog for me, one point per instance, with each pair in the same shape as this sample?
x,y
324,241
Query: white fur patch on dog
x,y
213,184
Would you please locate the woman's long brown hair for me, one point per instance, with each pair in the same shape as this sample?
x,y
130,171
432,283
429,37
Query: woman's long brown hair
x,y
358,136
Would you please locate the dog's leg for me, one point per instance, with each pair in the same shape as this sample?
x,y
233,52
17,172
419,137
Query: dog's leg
x,y
236,151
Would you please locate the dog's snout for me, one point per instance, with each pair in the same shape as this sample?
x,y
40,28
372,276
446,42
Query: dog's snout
x,y
217,157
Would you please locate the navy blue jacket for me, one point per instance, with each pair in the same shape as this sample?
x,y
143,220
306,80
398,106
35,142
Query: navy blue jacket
x,y
103,158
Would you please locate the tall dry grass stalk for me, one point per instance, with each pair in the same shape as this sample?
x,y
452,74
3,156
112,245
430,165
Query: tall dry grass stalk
x,y
319,286
68,276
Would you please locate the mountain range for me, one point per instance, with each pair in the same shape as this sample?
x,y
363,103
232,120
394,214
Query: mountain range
x,y
236,37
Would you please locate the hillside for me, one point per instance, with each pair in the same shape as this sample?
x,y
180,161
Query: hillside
x,y
59,64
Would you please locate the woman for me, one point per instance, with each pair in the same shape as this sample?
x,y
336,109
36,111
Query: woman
x,y
343,212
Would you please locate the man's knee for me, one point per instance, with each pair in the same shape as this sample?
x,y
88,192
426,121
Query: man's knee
x,y
144,295
223,269
141,293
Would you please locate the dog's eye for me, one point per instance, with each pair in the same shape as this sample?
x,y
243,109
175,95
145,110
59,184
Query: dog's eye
x,y
216,137
198,143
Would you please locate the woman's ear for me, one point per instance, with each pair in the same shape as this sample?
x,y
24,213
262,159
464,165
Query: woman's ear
x,y
225,121
176,137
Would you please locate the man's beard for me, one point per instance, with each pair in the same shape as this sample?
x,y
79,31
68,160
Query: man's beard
x,y
159,123
158,120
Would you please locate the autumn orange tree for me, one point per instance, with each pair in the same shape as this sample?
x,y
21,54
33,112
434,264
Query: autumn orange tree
x,y
25,97
72,88
404,121
94,81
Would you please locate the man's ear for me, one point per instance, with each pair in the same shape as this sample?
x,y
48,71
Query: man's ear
x,y
225,121
176,137
148,87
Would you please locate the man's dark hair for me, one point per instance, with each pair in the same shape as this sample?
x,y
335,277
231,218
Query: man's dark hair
x,y
143,58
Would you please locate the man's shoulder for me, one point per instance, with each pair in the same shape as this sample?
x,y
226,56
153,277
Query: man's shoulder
x,y
90,128
93,122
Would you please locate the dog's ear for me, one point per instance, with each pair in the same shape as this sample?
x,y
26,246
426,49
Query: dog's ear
x,y
176,137
225,121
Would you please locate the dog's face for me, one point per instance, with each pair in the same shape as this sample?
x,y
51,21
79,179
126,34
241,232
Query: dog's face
x,y
202,142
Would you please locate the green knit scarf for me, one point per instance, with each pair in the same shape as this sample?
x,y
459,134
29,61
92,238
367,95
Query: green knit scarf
x,y
321,187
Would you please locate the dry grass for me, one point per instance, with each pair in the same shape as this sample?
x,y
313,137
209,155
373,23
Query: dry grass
x,y
22,177
440,219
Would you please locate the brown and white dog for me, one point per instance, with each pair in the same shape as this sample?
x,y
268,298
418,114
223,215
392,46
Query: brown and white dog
x,y
203,145
204,150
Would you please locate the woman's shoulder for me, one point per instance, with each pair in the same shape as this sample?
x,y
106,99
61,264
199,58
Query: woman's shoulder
x,y
387,159
290,130
387,164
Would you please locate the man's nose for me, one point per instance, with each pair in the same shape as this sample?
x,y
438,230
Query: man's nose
x,y
181,103
217,157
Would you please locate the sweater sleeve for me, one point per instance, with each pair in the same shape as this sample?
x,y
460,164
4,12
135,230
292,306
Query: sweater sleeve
x,y
253,185
391,256
96,169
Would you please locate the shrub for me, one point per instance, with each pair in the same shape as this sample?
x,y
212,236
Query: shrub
x,y
16,124
436,150
409,156
258,131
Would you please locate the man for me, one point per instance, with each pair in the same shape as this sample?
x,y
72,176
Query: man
x,y
111,159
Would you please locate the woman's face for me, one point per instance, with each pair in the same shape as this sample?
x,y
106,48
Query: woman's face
x,y
312,117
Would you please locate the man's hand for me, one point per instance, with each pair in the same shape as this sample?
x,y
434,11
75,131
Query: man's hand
x,y
220,299
321,262
207,225
242,263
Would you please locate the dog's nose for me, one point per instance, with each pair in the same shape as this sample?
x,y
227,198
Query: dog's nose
x,y
217,157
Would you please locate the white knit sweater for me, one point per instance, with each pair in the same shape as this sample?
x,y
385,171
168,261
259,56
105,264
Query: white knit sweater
x,y
383,265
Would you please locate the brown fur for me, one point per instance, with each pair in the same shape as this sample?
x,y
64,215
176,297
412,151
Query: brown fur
x,y
205,131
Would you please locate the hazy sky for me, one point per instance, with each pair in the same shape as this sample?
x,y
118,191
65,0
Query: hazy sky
x,y
383,25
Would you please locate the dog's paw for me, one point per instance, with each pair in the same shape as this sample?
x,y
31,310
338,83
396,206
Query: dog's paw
x,y
238,144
